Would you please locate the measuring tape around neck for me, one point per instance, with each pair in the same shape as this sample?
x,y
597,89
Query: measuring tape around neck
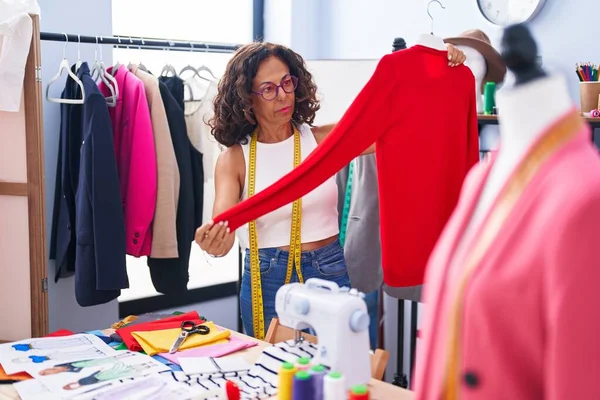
x,y
295,253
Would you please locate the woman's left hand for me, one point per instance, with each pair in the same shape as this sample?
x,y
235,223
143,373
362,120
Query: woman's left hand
x,y
455,56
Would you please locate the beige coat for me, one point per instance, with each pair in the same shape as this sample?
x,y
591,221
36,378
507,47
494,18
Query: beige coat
x,y
164,233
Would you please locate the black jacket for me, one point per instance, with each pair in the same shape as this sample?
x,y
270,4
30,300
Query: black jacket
x,y
170,276
89,199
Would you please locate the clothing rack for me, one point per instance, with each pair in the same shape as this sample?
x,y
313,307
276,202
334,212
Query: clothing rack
x,y
140,43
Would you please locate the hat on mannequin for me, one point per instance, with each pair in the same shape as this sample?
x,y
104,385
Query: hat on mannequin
x,y
476,39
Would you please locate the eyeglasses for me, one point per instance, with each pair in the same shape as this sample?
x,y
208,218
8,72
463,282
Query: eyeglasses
x,y
270,91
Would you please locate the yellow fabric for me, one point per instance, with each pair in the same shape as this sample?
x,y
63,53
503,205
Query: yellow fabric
x,y
154,342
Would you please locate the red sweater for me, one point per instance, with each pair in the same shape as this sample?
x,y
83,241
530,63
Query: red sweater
x,y
422,116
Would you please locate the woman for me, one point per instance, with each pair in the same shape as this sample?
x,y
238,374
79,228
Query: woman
x,y
263,115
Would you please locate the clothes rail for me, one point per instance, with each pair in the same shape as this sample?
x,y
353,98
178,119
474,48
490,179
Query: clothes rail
x,y
141,43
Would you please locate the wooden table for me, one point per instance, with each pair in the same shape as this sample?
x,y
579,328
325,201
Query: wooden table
x,y
378,390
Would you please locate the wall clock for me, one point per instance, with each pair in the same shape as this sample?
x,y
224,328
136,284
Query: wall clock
x,y
508,12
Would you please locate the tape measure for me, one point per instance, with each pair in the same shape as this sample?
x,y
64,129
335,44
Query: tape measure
x,y
295,253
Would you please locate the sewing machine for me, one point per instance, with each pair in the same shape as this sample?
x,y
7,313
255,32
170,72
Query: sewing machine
x,y
340,319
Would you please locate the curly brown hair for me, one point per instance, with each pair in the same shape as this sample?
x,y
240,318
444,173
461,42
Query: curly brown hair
x,y
233,119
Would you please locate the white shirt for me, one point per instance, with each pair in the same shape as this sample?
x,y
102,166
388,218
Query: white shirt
x,y
16,29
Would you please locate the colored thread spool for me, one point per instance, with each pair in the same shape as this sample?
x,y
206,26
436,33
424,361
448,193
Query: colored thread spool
x,y
318,372
595,114
286,381
489,98
303,388
334,386
303,364
359,392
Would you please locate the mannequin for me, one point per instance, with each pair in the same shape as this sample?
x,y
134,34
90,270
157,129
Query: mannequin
x,y
534,93
478,67
511,286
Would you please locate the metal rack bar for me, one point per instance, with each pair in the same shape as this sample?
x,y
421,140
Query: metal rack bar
x,y
141,43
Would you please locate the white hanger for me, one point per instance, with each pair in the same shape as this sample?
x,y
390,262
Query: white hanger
x,y
168,68
429,40
190,68
64,64
99,70
79,62
141,65
205,68
115,67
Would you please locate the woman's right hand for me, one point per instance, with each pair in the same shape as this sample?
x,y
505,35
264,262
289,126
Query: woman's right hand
x,y
214,239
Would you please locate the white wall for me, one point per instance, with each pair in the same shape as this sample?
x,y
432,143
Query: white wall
x,y
566,31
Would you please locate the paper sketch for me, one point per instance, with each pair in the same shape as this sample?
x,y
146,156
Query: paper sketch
x,y
152,387
17,356
62,342
76,377
85,352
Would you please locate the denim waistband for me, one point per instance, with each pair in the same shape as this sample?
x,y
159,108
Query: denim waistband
x,y
329,249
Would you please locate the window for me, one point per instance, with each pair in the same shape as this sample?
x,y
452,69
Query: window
x,y
223,21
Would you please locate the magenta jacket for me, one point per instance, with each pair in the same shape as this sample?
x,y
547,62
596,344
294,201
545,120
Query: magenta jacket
x,y
136,160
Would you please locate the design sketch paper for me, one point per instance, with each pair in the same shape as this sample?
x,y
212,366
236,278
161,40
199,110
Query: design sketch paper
x,y
18,356
76,377
153,387
34,390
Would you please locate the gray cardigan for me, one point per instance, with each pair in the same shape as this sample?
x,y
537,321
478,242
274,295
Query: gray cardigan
x,y
362,248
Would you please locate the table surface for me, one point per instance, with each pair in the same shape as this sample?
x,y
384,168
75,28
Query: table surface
x,y
378,390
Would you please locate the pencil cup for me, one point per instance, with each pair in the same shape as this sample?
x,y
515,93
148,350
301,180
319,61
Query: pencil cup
x,y
589,93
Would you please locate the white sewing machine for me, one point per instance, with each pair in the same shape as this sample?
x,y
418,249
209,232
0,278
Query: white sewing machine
x,y
340,319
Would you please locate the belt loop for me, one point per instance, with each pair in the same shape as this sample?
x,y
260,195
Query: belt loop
x,y
276,256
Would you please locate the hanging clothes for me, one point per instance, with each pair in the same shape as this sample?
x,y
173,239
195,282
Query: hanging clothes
x,y
16,28
424,122
176,86
164,230
136,159
197,115
170,275
88,227
362,246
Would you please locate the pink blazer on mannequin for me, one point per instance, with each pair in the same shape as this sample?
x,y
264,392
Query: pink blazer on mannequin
x,y
515,314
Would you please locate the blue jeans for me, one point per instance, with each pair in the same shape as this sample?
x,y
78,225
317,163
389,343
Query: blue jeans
x,y
372,301
326,263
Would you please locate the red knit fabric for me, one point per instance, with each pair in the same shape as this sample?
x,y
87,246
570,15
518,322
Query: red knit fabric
x,y
422,116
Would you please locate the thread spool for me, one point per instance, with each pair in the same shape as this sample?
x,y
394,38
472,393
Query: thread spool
x,y
334,386
286,381
359,392
303,364
318,372
303,388
489,98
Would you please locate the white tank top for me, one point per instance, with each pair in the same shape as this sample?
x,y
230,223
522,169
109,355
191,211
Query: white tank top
x,y
319,207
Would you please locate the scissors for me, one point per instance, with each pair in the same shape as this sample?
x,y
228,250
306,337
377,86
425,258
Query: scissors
x,y
188,328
